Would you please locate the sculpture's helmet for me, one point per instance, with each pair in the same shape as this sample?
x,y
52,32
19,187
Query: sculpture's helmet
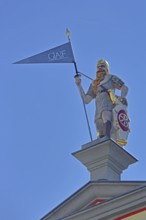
x,y
103,64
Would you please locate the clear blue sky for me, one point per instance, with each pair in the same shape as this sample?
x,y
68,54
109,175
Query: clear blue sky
x,y
41,114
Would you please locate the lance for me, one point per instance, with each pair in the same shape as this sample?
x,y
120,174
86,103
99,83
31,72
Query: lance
x,y
78,75
60,54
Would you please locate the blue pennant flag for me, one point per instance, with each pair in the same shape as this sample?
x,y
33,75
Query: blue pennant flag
x,y
60,54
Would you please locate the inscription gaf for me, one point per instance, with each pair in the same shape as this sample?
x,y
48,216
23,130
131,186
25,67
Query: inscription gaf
x,y
59,55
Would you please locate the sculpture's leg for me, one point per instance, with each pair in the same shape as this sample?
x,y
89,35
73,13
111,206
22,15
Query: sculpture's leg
x,y
108,128
107,118
100,128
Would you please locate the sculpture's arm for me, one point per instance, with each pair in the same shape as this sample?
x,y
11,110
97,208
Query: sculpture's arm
x,y
119,84
124,91
86,98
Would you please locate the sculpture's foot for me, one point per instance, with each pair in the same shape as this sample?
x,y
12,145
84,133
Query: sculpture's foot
x,y
101,136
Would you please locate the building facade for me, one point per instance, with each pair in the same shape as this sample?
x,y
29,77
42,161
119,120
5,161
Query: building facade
x,y
105,196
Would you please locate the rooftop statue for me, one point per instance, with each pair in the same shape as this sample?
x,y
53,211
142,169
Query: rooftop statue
x,y
111,117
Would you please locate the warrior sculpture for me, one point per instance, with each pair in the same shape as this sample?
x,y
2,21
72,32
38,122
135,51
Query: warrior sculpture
x,y
111,117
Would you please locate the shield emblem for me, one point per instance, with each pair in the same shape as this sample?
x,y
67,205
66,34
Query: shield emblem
x,y
120,126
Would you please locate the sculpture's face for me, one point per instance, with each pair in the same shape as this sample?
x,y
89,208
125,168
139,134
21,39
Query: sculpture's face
x,y
103,66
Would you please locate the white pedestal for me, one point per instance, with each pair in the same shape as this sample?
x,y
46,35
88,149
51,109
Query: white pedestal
x,y
105,160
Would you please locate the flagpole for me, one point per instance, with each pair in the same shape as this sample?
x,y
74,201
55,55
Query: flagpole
x,y
78,74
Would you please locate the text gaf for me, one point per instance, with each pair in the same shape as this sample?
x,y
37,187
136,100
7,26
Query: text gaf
x,y
59,55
